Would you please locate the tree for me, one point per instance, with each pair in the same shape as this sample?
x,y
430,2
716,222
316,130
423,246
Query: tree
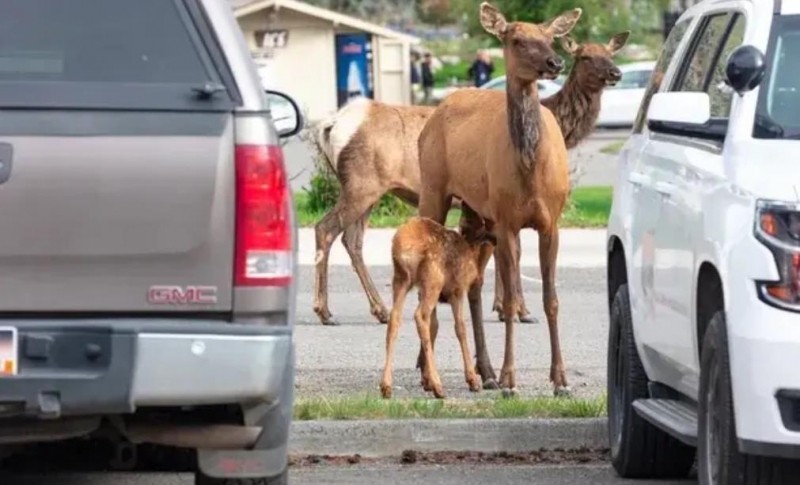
x,y
436,12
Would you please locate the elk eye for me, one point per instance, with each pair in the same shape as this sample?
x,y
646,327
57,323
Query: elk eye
x,y
517,43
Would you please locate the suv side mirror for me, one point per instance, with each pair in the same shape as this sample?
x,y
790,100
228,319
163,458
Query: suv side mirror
x,y
285,114
685,114
687,108
746,68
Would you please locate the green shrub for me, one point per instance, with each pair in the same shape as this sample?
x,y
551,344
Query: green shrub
x,y
324,190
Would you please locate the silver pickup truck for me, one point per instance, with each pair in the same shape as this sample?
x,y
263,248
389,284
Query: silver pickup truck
x,y
147,235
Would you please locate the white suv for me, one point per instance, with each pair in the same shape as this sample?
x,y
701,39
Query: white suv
x,y
704,255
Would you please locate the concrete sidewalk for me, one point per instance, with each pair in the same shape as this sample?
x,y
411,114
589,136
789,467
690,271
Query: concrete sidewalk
x,y
578,248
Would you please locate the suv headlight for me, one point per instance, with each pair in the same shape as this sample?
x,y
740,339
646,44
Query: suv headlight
x,y
778,228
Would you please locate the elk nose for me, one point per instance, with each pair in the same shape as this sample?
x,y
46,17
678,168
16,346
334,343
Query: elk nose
x,y
615,74
555,63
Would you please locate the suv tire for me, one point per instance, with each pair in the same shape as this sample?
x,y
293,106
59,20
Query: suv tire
x,y
719,459
201,479
638,449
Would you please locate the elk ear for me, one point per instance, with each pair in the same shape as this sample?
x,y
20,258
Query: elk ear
x,y
493,20
569,45
618,41
564,23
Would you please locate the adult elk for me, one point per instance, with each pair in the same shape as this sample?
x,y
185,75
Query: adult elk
x,y
504,156
576,108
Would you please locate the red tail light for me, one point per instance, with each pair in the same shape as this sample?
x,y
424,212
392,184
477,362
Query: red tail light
x,y
263,228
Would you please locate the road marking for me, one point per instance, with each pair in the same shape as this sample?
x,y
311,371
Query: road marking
x,y
532,280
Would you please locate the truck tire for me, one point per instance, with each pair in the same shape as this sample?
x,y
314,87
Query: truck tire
x,y
201,479
719,459
638,449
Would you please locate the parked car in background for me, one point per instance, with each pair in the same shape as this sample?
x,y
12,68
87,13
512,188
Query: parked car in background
x,y
147,257
546,87
704,255
620,103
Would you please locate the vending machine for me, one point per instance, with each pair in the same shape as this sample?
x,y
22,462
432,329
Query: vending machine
x,y
353,67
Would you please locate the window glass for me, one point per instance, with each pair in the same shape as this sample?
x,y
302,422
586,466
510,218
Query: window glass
x,y
122,47
664,59
720,93
777,115
696,72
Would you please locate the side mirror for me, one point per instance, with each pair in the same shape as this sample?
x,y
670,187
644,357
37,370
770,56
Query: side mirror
x,y
746,68
680,107
285,114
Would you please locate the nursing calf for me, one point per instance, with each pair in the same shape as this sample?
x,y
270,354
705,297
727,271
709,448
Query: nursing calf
x,y
445,266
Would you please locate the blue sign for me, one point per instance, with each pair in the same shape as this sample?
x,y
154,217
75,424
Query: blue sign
x,y
353,67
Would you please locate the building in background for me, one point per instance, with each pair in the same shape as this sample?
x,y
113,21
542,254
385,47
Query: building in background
x,y
323,58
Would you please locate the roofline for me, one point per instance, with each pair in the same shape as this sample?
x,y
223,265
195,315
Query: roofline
x,y
322,13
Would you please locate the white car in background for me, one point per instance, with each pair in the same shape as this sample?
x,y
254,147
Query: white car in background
x,y
620,103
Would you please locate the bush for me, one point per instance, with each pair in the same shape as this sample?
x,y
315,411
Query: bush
x,y
324,189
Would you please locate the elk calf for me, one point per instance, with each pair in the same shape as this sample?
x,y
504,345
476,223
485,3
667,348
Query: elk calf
x,y
444,265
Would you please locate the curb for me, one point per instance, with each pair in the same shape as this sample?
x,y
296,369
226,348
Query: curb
x,y
383,438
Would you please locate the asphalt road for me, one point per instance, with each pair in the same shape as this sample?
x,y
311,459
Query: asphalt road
x,y
350,358
370,475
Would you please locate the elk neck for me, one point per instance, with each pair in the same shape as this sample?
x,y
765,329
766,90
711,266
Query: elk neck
x,y
524,118
576,107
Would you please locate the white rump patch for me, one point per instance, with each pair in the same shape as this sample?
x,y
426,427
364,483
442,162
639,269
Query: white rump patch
x,y
345,125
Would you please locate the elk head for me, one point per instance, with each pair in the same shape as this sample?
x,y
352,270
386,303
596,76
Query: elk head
x,y
594,63
528,47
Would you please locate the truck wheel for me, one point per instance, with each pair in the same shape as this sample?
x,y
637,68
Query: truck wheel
x,y
638,449
719,459
201,479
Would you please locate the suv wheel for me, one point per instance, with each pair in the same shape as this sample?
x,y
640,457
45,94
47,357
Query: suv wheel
x,y
638,449
282,479
719,459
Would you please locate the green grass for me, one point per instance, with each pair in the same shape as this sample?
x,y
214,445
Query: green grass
x,y
589,208
613,148
367,407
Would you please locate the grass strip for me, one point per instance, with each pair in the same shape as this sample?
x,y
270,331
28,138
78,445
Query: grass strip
x,y
589,207
367,407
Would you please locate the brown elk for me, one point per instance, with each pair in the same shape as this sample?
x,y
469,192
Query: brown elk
x,y
576,108
354,144
504,156
444,265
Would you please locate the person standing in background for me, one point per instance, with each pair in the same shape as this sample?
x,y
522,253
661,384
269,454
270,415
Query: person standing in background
x,y
482,69
415,79
427,77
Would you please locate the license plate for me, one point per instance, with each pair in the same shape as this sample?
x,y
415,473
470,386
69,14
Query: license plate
x,y
8,351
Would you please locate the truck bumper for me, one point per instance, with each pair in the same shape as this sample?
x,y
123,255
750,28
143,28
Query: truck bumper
x,y
765,357
100,367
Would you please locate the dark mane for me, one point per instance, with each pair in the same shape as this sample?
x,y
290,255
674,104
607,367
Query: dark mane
x,y
524,118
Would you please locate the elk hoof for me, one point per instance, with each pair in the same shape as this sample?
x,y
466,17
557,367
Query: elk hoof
x,y
529,319
562,391
474,385
510,393
331,322
426,385
438,392
386,391
382,315
491,385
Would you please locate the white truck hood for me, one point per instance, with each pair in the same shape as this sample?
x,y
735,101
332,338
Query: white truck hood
x,y
768,169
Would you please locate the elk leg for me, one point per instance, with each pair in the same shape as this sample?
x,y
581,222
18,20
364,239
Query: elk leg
x,y
548,253
428,297
457,302
507,259
348,209
523,313
400,286
353,240
434,325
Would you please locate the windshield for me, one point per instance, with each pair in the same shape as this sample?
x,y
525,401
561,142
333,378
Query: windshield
x,y
778,115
